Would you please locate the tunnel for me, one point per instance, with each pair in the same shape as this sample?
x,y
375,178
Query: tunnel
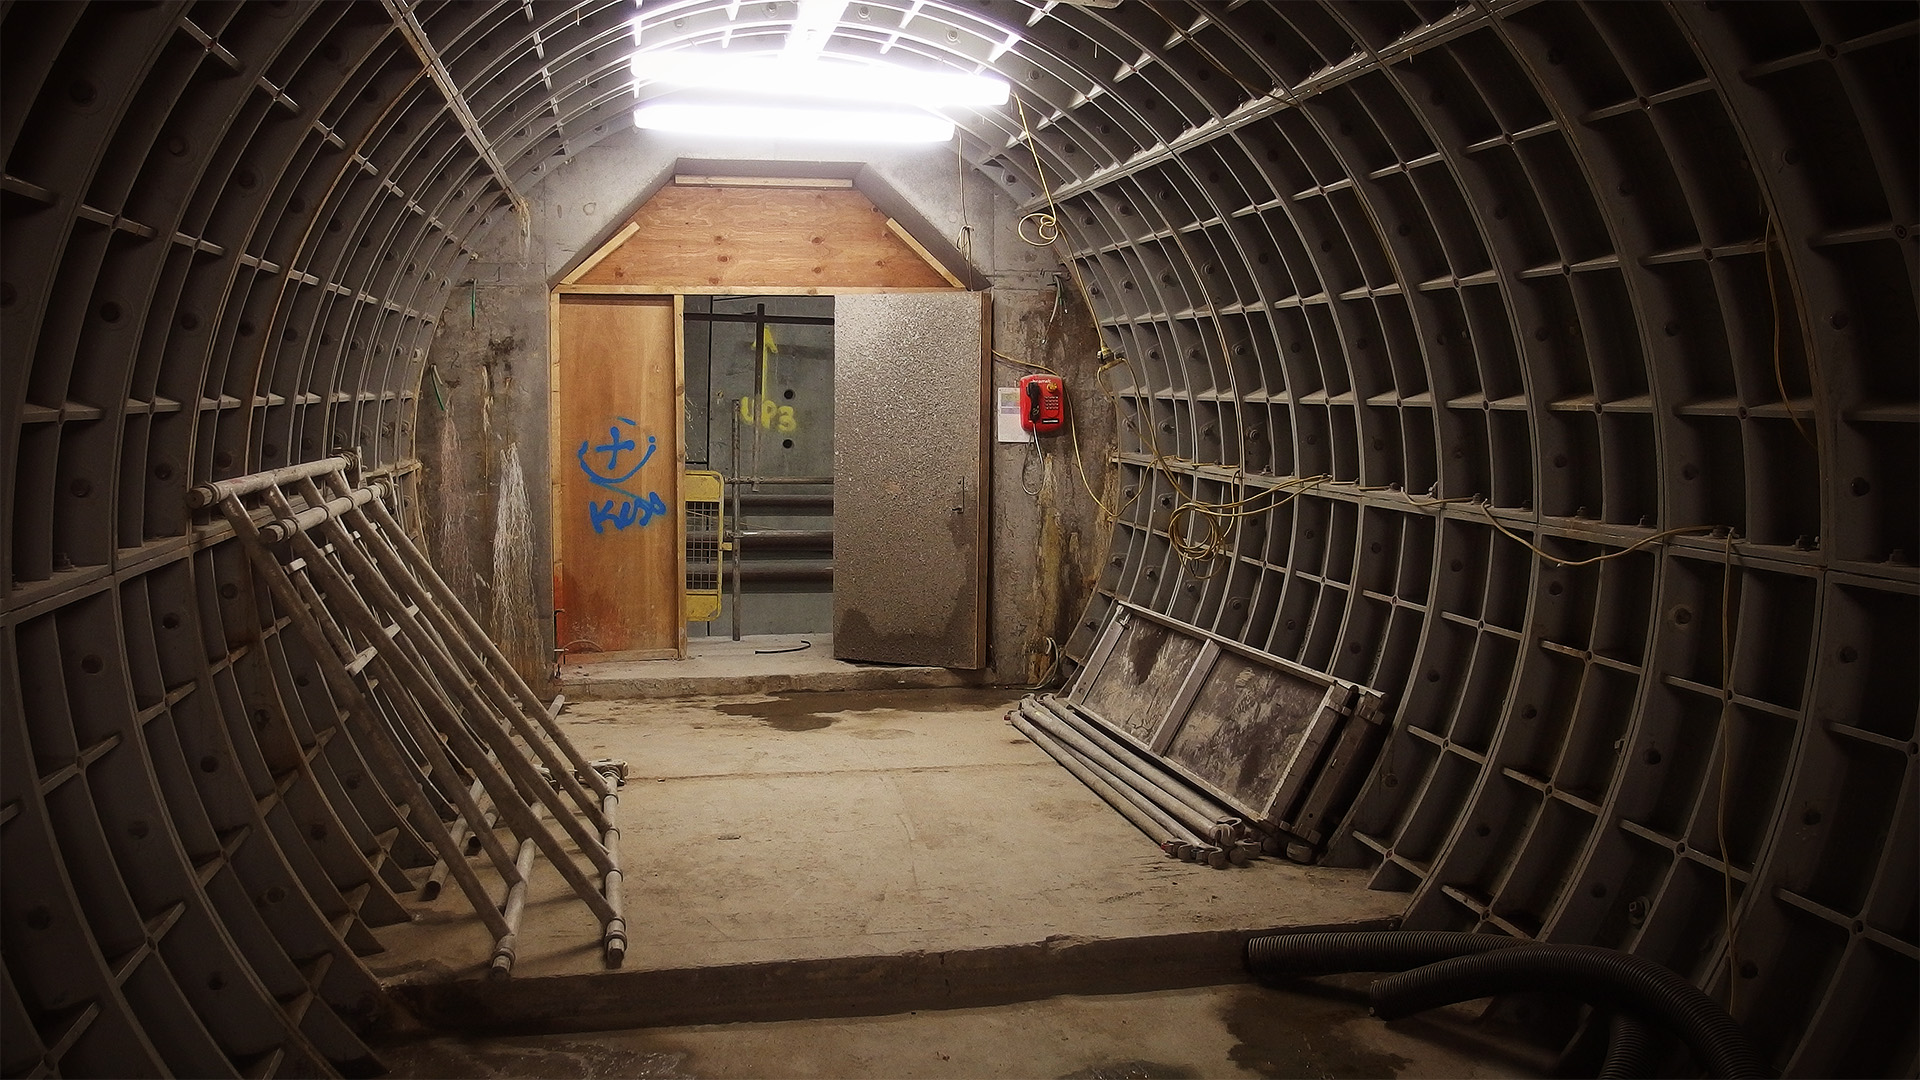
x,y
1548,368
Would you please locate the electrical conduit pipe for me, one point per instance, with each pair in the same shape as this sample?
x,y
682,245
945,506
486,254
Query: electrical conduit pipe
x,y
1168,785
1201,824
1169,835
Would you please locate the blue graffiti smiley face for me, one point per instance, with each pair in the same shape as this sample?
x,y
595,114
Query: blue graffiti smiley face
x,y
603,463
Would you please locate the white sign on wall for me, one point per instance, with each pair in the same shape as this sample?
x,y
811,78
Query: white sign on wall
x,y
1006,415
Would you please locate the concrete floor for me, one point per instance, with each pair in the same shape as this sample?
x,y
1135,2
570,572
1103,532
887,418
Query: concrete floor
x,y
844,883
1220,1031
765,663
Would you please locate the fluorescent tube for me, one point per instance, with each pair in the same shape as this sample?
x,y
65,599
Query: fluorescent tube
x,y
774,76
777,122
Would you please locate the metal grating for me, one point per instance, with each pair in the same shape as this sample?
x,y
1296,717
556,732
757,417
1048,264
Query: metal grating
x,y
704,494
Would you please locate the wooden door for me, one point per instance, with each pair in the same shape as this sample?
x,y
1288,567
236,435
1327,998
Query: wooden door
x,y
909,472
617,456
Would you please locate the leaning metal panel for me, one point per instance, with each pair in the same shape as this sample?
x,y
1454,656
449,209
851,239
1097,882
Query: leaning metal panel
x,y
1256,731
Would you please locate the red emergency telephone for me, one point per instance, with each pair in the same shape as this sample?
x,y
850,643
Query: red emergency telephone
x,y
1043,404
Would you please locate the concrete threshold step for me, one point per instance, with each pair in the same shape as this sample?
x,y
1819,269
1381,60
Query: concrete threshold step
x,y
838,986
758,664
622,686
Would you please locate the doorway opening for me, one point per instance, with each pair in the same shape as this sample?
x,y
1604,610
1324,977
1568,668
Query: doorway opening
x,y
759,378
830,446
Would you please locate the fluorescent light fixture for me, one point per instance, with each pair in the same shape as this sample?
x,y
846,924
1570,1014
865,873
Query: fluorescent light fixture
x,y
775,76
813,23
776,122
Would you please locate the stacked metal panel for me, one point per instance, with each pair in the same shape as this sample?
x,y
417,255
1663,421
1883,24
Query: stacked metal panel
x,y
1279,745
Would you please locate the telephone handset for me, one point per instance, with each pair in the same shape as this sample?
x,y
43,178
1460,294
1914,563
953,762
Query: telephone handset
x,y
1043,400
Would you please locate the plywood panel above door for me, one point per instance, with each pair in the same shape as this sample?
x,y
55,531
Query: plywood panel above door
x,y
758,239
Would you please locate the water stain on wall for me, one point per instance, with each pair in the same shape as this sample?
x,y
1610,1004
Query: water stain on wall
x,y
856,636
1052,328
512,585
451,548
500,351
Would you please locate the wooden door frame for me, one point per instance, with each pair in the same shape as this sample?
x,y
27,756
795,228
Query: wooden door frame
x,y
556,450
677,285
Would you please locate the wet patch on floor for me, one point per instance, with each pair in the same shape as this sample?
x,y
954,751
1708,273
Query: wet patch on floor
x,y
1301,1038
1132,1070
809,710
1069,809
539,1058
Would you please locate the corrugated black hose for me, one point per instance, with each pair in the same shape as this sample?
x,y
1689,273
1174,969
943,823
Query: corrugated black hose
x,y
1630,1048
1601,977
1631,1041
1281,955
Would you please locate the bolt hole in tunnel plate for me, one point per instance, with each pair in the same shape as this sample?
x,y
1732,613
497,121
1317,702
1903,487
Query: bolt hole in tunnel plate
x,y
1279,742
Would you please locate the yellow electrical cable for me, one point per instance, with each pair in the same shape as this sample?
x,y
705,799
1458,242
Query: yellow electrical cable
x,y
1073,432
1558,561
1050,226
1046,233
1726,713
1773,300
1026,364
1159,458
1050,232
965,244
1208,550
1046,228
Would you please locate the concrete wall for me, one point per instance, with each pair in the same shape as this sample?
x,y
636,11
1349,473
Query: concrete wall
x,y
490,354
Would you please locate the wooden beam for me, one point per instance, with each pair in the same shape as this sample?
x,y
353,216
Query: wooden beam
x,y
743,289
556,450
626,232
679,505
919,249
695,180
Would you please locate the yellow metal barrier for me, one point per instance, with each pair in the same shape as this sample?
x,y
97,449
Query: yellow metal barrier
x,y
704,537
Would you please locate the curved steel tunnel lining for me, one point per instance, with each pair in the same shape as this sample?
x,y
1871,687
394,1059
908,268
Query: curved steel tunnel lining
x,y
1535,253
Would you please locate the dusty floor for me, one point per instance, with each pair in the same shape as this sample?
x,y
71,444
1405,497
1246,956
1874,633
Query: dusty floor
x,y
1227,1031
760,828
765,663
892,883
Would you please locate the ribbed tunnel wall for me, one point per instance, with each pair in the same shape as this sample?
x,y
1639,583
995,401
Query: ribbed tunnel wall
x,y
1470,305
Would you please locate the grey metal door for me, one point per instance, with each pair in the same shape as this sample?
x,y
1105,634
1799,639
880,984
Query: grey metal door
x,y
909,465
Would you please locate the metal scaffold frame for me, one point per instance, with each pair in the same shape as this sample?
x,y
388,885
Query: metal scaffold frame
x,y
448,720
